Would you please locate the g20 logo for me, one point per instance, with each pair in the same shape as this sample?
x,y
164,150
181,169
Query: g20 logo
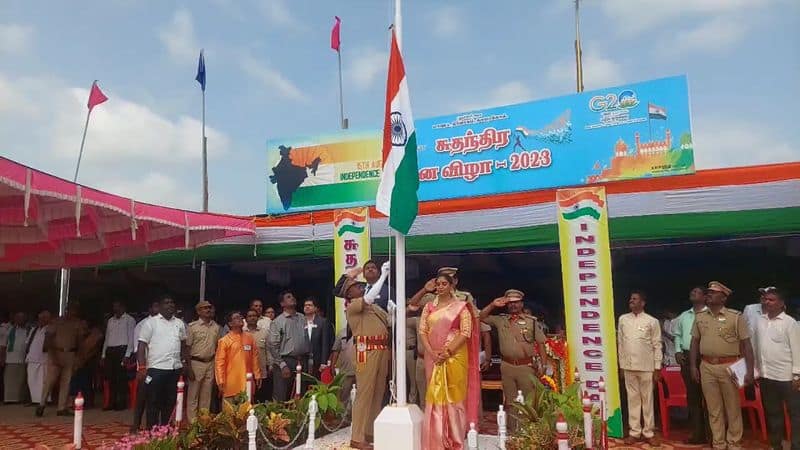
x,y
610,102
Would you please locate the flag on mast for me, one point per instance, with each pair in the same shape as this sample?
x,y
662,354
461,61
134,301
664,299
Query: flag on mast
x,y
397,191
96,96
335,38
201,71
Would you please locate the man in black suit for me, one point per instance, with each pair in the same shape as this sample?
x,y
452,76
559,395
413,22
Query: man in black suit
x,y
319,335
372,272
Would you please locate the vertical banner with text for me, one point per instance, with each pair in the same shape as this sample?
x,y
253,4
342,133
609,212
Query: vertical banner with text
x,y
588,294
351,248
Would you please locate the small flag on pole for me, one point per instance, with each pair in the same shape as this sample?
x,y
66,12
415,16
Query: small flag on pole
x,y
96,96
201,72
656,112
335,39
397,191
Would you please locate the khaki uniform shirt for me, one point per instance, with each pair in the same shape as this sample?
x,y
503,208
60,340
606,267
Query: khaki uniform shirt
x,y
260,335
367,320
516,334
66,334
202,339
720,333
639,342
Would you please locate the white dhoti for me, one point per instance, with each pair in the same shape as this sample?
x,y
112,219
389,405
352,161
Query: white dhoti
x,y
36,373
14,383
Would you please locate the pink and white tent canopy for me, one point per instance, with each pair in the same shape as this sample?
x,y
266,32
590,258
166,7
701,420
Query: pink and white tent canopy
x,y
47,223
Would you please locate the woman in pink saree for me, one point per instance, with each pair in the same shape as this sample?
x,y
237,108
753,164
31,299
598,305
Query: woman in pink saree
x,y
449,331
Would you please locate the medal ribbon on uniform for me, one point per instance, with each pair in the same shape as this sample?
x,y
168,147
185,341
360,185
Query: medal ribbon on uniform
x,y
361,350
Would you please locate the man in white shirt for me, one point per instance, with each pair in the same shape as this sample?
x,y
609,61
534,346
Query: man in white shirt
x,y
639,339
141,387
37,358
161,356
777,349
12,357
752,313
117,347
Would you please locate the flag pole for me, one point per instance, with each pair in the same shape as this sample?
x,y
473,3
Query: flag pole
x,y
400,266
83,141
205,185
341,91
578,52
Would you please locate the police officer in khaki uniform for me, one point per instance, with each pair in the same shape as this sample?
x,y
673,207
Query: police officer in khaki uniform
x,y
370,326
201,338
61,341
720,337
517,335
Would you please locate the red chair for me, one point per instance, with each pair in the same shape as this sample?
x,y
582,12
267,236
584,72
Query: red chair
x,y
671,394
132,385
755,407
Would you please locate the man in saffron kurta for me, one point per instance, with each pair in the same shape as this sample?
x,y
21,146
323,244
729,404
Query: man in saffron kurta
x,y
237,355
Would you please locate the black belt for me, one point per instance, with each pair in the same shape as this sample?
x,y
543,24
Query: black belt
x,y
202,360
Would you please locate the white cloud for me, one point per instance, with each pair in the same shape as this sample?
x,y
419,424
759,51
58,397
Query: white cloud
x,y
447,21
631,18
273,80
178,36
714,35
598,72
722,142
368,66
15,39
505,94
277,13
154,187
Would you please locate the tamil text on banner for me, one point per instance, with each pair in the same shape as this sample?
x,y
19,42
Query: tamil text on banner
x,y
351,248
588,294
634,131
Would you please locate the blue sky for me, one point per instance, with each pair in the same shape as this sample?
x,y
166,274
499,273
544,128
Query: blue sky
x,y
271,73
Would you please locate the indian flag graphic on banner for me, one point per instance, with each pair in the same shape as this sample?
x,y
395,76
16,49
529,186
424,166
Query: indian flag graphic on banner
x,y
589,296
397,191
351,248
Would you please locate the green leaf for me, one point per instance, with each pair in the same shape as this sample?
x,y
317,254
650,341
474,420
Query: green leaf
x,y
323,403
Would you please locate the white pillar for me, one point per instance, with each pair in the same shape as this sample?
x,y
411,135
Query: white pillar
x,y
297,380
587,421
249,388
520,398
603,416
312,421
472,437
502,431
562,437
77,424
353,395
179,403
252,427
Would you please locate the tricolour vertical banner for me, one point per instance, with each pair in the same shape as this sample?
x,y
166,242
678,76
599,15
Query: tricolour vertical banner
x,y
588,294
351,248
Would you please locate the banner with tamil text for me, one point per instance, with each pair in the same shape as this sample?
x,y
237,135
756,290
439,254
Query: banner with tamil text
x,y
351,248
589,296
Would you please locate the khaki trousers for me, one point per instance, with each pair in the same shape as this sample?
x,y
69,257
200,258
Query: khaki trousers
x,y
60,367
422,382
411,375
724,407
515,378
370,389
199,393
639,385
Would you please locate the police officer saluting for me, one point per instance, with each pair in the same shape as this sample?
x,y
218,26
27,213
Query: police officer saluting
x,y
721,337
518,335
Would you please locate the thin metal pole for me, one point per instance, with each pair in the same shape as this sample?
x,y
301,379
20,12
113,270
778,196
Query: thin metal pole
x,y
341,92
578,52
83,141
203,267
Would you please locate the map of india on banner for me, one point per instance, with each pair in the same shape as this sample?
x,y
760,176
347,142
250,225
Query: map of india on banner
x,y
351,248
588,294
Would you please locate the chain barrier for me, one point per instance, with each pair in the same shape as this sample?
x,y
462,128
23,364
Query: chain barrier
x,y
345,416
291,443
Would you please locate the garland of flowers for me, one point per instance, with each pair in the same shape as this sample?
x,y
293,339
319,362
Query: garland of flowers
x,y
549,382
556,349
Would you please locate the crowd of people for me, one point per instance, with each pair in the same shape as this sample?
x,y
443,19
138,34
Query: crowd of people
x,y
720,351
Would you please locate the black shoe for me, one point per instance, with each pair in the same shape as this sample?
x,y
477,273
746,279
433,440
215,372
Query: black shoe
x,y
39,411
65,412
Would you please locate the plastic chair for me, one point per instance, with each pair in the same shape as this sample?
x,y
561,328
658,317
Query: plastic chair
x,y
671,394
132,385
755,409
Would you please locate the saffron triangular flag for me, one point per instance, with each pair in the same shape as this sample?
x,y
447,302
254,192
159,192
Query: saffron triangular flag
x,y
397,191
96,96
335,38
201,71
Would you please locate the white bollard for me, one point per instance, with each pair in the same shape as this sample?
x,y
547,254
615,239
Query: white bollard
x,y
472,437
587,421
502,432
312,421
353,396
520,398
179,403
577,379
297,380
603,416
562,437
77,427
252,427
249,388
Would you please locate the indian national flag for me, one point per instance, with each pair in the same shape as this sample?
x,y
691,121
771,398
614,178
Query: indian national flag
x,y
397,192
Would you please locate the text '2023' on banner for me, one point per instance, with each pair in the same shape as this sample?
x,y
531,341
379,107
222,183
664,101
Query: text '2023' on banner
x,y
634,131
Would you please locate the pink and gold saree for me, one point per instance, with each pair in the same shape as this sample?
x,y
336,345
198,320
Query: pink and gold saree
x,y
453,397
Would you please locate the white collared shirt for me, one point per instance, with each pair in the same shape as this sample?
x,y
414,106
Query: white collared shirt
x,y
264,323
163,338
752,314
119,332
778,347
36,355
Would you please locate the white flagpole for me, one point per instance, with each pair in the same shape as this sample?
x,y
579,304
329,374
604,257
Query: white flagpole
x,y
400,270
205,187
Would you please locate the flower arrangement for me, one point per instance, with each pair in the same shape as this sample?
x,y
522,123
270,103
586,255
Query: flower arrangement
x,y
159,438
549,382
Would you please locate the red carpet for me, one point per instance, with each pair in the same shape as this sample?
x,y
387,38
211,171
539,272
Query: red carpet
x,y
27,436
